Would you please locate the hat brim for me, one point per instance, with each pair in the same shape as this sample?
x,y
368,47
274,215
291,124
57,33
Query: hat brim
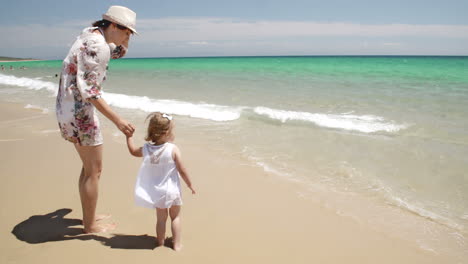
x,y
113,20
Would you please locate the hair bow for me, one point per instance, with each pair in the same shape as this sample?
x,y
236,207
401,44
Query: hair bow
x,y
169,117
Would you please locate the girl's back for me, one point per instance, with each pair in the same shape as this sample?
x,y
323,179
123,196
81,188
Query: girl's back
x,y
158,183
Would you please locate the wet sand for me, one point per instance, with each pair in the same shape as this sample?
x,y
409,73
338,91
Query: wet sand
x,y
240,214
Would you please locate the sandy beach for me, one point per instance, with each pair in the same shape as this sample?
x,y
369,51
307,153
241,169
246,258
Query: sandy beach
x,y
240,214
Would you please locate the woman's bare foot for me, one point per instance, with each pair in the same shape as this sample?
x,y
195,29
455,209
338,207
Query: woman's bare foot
x,y
100,228
101,217
160,242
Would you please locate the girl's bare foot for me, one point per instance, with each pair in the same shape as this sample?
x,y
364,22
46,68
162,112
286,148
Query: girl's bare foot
x,y
100,228
177,247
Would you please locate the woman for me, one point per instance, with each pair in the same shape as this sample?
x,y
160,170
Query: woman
x,y
79,95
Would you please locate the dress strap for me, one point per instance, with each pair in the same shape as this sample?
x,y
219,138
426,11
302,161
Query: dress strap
x,y
145,149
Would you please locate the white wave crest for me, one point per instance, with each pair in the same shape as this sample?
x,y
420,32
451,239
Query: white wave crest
x,y
32,84
143,103
221,113
30,106
421,211
364,123
204,111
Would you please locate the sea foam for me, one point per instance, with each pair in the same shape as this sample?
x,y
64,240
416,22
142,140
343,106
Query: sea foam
x,y
223,113
32,84
30,106
197,110
363,123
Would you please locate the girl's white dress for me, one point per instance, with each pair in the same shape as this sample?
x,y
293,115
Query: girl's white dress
x,y
158,184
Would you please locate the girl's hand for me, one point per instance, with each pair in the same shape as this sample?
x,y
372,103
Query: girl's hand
x,y
193,190
137,152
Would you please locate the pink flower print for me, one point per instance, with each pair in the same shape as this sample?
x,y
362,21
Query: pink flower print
x,y
87,127
94,91
89,51
90,77
71,68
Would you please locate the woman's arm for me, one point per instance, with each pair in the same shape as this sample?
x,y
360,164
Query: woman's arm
x,y
91,64
137,152
122,124
181,168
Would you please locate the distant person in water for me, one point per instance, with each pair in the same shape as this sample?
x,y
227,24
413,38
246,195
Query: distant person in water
x,y
11,68
79,95
3,68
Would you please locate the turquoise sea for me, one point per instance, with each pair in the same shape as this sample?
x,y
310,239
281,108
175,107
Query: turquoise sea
x,y
380,139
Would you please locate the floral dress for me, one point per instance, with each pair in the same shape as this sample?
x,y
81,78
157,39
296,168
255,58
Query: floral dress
x,y
83,72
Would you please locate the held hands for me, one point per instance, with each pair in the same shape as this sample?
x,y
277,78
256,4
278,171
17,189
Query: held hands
x,y
125,127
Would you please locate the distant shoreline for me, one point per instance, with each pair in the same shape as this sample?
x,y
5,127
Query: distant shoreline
x,y
305,56
7,59
17,60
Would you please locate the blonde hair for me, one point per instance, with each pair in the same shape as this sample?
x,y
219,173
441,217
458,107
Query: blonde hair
x,y
158,127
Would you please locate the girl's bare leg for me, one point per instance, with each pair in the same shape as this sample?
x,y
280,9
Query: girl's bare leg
x,y
161,215
174,212
88,186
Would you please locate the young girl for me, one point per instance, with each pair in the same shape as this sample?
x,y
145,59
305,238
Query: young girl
x,y
158,184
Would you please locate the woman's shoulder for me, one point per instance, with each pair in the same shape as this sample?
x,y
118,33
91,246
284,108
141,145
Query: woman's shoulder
x,y
88,35
94,44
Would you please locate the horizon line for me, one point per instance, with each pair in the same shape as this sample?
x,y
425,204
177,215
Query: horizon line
x,y
16,59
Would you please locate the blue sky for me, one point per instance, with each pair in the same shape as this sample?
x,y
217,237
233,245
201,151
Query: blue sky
x,y
172,28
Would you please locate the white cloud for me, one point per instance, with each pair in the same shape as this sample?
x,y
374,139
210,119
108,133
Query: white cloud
x,y
394,44
199,43
228,36
179,29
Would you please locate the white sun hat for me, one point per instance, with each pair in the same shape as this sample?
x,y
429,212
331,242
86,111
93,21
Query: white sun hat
x,y
121,15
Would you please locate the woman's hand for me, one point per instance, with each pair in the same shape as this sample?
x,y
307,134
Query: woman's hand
x,y
119,52
125,126
122,124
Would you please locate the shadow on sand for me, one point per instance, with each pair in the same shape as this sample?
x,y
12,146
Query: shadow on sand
x,y
54,227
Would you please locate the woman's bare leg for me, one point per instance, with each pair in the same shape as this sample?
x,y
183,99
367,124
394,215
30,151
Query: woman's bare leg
x,y
88,186
161,216
174,212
